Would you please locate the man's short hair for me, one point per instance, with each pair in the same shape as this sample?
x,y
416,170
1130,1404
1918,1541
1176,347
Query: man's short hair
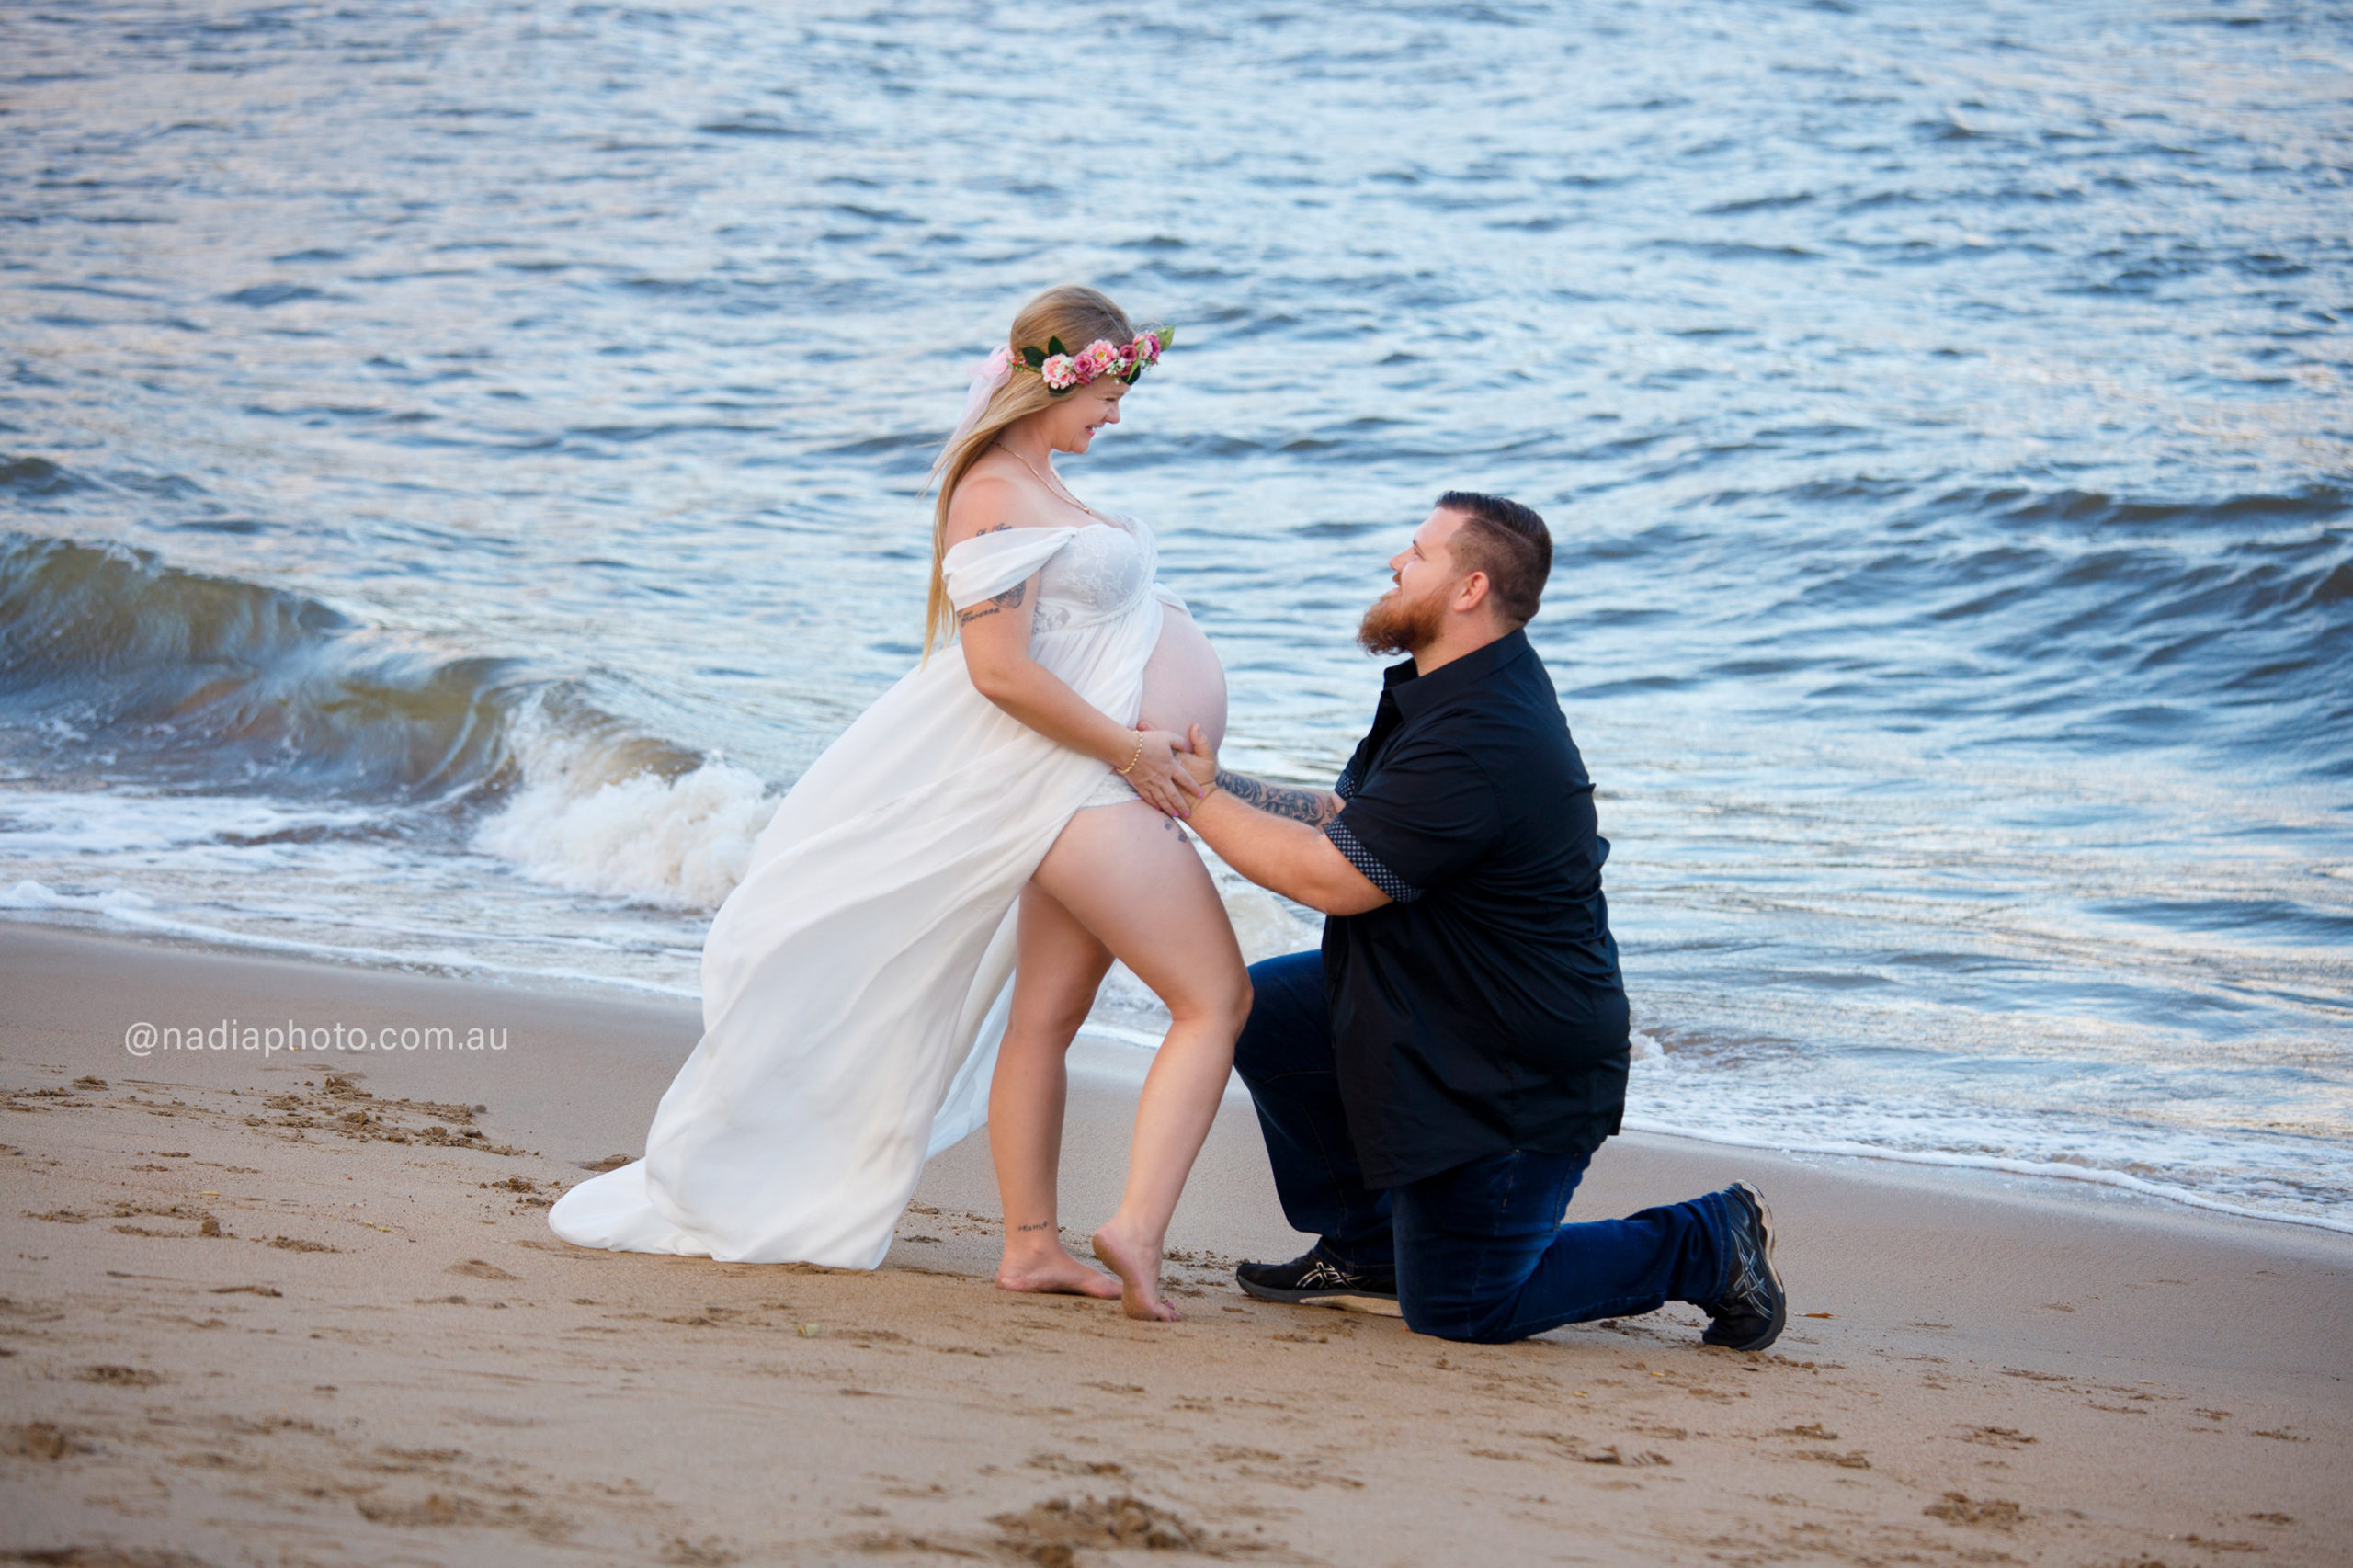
x,y
1509,544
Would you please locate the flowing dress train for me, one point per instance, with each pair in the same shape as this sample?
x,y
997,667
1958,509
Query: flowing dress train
x,y
856,983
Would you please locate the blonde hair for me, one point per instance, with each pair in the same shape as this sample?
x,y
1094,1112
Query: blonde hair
x,y
1076,315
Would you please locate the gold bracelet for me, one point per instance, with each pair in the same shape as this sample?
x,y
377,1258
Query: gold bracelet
x,y
1130,767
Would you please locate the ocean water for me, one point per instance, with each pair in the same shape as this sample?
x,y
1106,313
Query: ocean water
x,y
458,464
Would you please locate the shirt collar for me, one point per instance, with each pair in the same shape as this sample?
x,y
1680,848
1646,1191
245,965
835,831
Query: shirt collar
x,y
1416,694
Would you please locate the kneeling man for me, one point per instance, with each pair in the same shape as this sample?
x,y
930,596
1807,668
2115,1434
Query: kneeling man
x,y
1434,1080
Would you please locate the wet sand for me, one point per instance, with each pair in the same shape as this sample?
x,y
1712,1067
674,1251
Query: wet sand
x,y
306,1309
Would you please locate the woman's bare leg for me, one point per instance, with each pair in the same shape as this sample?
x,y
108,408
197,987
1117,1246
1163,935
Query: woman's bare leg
x,y
1138,885
1058,968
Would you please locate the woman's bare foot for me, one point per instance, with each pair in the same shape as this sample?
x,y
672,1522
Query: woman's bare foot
x,y
1138,1266
1053,1271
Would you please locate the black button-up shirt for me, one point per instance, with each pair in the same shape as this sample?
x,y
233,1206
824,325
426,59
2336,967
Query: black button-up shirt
x,y
1482,1010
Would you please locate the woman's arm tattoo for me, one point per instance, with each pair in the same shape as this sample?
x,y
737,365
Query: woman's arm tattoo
x,y
1314,807
1009,599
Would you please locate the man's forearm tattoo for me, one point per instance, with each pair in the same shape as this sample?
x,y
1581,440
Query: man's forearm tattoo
x,y
1314,807
1009,599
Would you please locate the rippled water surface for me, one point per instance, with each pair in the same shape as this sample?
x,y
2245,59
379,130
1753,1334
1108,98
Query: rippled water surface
x,y
459,462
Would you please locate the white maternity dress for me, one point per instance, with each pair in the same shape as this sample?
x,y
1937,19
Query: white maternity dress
x,y
855,983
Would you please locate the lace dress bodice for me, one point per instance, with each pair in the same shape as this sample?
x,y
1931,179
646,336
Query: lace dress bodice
x,y
1101,571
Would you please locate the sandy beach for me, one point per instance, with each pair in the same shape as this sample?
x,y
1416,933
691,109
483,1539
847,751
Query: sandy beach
x,y
306,1309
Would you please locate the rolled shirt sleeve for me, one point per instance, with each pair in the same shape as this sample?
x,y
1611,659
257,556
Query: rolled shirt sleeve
x,y
1427,813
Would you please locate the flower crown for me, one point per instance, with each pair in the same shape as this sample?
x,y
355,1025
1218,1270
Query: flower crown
x,y
1064,369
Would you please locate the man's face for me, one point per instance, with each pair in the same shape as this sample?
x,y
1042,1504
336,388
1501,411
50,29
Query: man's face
x,y
1410,616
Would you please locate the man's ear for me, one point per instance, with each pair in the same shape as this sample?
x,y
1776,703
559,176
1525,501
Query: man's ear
x,y
1471,593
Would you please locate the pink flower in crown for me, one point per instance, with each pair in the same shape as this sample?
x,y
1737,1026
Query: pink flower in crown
x,y
1061,372
1097,359
1145,349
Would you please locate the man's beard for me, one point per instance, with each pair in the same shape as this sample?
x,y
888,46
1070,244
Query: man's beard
x,y
1398,625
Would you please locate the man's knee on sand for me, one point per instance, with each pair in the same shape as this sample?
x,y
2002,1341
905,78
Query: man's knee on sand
x,y
1444,1310
1450,1313
1449,1288
1473,1312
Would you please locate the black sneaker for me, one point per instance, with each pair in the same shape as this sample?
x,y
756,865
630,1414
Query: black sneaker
x,y
1313,1279
1749,1314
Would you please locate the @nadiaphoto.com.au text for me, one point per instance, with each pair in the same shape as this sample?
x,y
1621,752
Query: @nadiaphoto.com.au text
x,y
268,1039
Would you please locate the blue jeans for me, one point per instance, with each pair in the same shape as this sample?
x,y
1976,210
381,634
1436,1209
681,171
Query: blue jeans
x,y
1480,1250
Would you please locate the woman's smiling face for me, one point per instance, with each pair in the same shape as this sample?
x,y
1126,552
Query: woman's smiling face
x,y
1070,421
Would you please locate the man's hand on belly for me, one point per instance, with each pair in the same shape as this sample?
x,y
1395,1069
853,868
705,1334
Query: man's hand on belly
x,y
1273,834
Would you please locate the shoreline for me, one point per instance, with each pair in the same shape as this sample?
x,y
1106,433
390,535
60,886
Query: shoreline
x,y
310,1311
2058,1175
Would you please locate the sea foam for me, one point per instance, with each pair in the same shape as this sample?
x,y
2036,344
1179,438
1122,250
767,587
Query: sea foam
x,y
681,842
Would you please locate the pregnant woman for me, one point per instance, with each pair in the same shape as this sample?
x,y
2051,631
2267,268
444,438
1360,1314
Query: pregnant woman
x,y
1008,802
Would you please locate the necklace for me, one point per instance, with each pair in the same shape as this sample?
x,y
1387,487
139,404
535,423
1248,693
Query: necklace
x,y
1054,486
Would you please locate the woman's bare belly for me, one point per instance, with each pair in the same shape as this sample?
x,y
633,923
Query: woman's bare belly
x,y
1183,686
1182,682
